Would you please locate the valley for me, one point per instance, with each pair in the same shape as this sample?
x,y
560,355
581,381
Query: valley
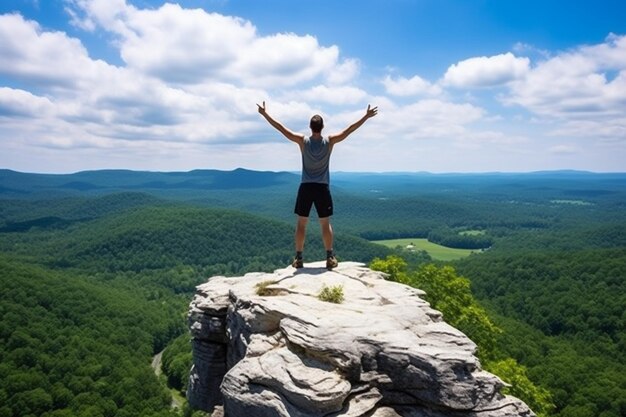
x,y
97,269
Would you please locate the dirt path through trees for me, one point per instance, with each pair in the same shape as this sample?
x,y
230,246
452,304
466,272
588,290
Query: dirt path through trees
x,y
156,366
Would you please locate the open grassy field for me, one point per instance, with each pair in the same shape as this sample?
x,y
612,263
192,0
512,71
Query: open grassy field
x,y
437,252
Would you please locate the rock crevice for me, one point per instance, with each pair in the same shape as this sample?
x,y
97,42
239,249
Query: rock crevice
x,y
383,352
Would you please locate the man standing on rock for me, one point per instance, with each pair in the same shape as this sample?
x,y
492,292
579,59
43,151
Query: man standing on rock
x,y
314,188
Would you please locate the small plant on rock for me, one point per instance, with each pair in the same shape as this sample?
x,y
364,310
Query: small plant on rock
x,y
332,294
262,288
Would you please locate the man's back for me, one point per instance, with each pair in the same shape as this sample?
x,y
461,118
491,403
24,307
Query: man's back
x,y
316,160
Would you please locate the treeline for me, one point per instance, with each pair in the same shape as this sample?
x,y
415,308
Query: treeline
x,y
73,347
451,238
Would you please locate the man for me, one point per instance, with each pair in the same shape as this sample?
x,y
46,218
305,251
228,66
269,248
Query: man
x,y
314,188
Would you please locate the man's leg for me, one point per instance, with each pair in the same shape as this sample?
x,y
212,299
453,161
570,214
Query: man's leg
x,y
300,233
298,262
327,233
302,209
327,236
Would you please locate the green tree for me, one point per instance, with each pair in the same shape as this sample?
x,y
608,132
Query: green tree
x,y
36,401
537,398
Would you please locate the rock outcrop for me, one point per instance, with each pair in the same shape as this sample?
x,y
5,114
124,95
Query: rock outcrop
x,y
383,352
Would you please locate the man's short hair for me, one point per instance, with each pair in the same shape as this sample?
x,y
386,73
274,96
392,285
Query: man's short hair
x,y
317,123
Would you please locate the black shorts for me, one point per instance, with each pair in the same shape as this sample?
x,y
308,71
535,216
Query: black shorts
x,y
311,193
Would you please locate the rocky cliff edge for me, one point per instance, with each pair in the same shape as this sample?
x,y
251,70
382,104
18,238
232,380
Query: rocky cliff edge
x,y
382,352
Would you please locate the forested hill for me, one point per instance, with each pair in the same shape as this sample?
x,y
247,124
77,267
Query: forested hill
x,y
152,238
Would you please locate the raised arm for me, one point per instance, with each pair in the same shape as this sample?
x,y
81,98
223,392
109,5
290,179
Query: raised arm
x,y
294,137
370,112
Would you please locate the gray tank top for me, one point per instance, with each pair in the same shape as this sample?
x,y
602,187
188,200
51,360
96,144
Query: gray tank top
x,y
315,160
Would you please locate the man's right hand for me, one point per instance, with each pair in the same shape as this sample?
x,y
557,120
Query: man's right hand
x,y
261,108
370,112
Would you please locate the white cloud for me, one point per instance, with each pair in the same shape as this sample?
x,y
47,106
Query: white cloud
x,y
20,103
343,72
282,60
183,45
486,71
410,86
577,83
428,118
43,58
88,14
193,46
584,89
336,95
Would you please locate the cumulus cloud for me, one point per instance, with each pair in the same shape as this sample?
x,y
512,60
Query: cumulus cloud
x,y
343,72
583,90
486,71
178,44
430,118
20,103
89,14
282,60
192,46
587,81
43,58
410,86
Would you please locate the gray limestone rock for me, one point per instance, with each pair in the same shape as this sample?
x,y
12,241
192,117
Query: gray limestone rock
x,y
383,352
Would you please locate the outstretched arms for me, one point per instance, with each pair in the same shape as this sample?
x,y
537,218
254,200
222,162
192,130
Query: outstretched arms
x,y
370,112
294,137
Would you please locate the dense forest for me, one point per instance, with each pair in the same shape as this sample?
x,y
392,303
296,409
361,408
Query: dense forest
x,y
72,346
97,269
574,301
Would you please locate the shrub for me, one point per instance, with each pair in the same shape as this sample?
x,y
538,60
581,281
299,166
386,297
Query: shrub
x,y
262,288
332,294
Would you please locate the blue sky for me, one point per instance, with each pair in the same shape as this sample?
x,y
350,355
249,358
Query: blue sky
x,y
461,86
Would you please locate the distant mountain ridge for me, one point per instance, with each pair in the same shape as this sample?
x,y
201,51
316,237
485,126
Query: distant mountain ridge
x,y
21,184
16,184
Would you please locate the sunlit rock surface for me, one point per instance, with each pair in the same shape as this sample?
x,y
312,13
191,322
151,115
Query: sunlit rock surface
x,y
383,352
